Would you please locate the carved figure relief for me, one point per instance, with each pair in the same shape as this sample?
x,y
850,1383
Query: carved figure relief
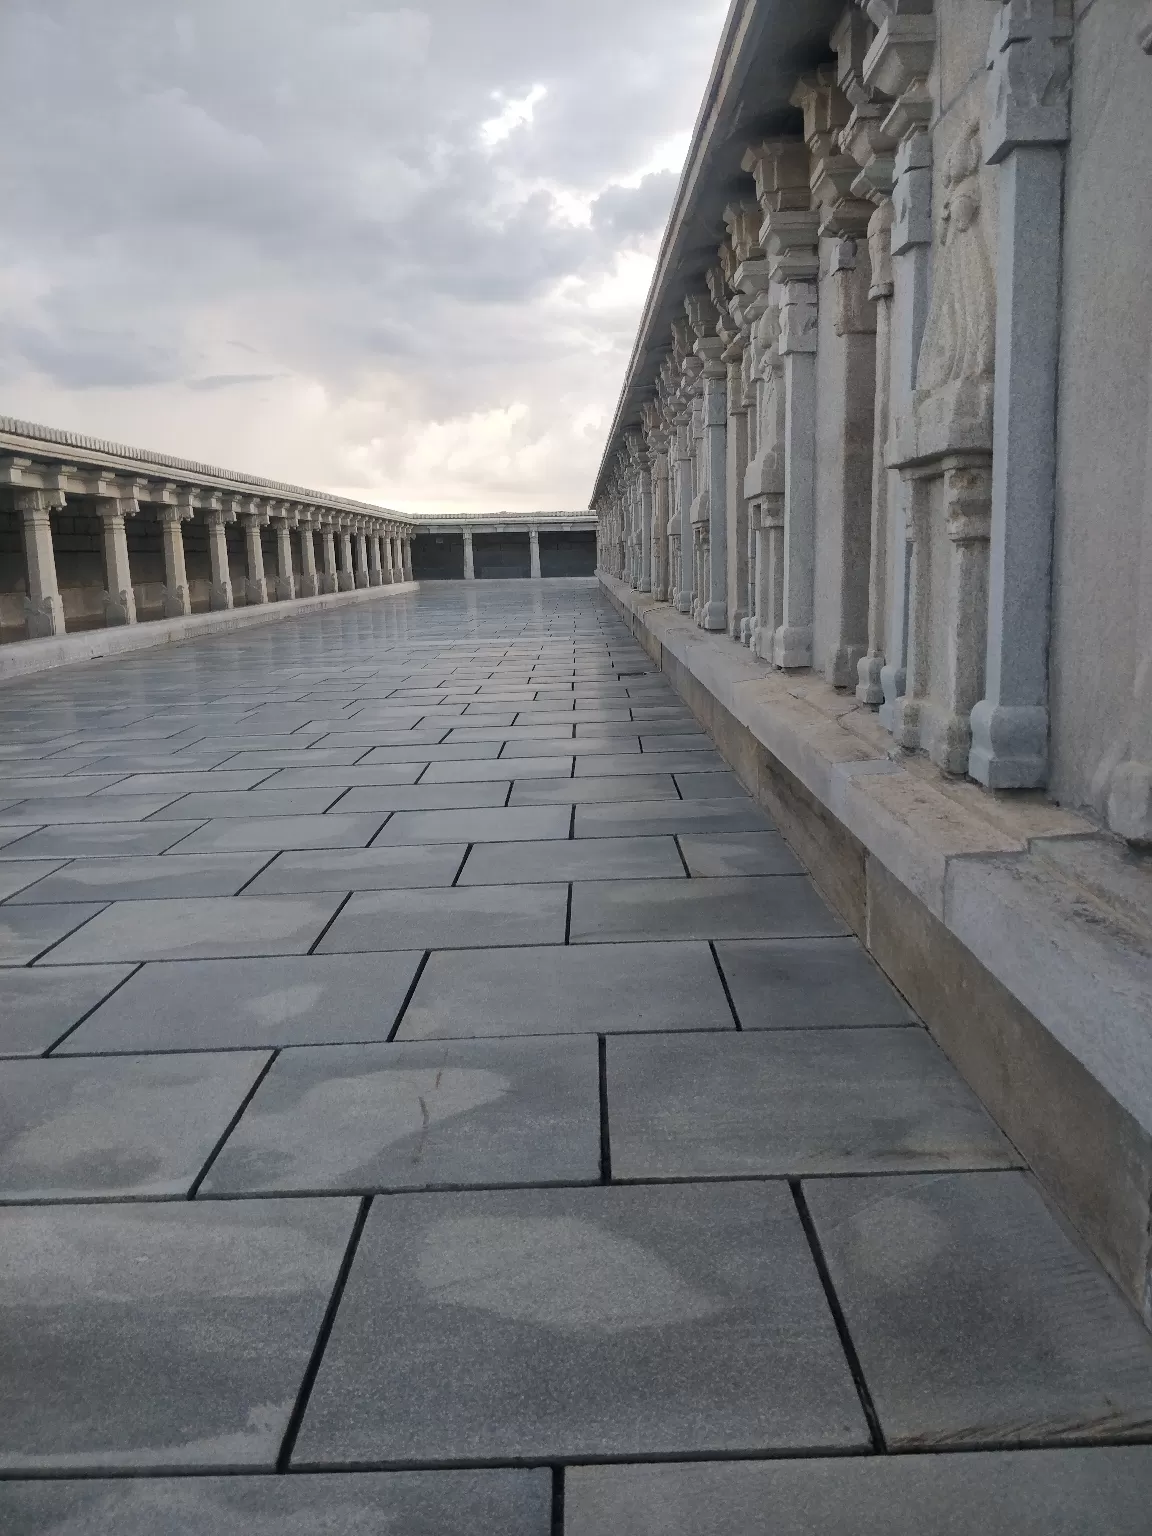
x,y
955,372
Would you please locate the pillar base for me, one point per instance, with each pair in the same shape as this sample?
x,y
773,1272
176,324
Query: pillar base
x,y
1009,746
792,647
893,681
220,597
843,667
714,617
344,581
1130,803
375,578
308,585
43,617
362,578
255,592
120,609
175,603
869,689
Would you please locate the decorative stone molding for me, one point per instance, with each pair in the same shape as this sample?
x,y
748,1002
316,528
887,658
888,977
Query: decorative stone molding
x,y
1030,73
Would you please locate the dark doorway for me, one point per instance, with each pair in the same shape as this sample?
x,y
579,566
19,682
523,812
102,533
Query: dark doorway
x,y
568,554
438,557
497,555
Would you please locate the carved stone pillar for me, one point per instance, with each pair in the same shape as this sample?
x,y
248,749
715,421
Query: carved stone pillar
x,y
361,553
309,581
176,600
119,597
43,609
1030,63
328,547
387,569
285,578
684,495
658,454
220,597
469,557
346,577
256,584
375,575
534,553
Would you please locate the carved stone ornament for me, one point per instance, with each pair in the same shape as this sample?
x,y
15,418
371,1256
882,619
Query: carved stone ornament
x,y
952,409
1030,72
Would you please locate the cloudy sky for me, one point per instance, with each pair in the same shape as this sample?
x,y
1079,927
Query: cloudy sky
x,y
392,250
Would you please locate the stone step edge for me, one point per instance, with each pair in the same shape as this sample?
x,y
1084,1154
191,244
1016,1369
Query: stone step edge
x,y
1077,967
24,658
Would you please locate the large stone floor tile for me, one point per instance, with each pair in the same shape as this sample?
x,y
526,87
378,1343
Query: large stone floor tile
x,y
792,1103
417,1115
194,928
98,840
511,824
757,906
447,753
1006,1493
219,780
977,1320
460,735
169,1336
613,987
605,858
508,767
668,741
272,833
337,777
362,869
218,874
710,786
196,1005
473,795
37,1006
252,803
26,932
738,853
316,757
115,1126
583,746
88,808
655,786
17,874
613,763
67,787
478,916
562,1324
488,1503
808,984
640,818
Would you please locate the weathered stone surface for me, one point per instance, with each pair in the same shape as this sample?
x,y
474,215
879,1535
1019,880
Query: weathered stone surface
x,y
794,1102
977,1320
416,1116
195,1005
153,1337
754,907
270,833
643,819
473,917
37,1006
491,1503
634,1317
133,878
129,1125
513,824
605,858
27,932
1065,1493
808,984
195,928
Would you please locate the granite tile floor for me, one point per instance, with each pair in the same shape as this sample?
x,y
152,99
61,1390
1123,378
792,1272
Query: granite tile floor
x,y
435,1099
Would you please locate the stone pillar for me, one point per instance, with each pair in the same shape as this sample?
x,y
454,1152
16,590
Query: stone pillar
x,y
375,575
1030,62
361,556
176,601
388,570
684,495
220,586
309,581
869,689
286,585
796,264
469,558
119,597
660,510
43,609
534,552
328,544
256,585
407,543
346,579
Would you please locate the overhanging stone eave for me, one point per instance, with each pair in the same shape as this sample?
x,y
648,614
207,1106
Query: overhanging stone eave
x,y
25,439
764,45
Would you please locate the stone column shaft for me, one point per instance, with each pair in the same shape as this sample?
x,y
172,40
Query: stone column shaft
x,y
361,558
714,611
375,575
287,581
43,609
119,597
534,553
309,584
220,586
469,557
328,538
792,646
256,591
684,495
176,602
407,543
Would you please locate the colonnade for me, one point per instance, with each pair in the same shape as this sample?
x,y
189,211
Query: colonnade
x,y
842,451
315,550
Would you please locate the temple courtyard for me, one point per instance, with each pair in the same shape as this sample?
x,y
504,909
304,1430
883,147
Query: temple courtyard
x,y
436,1100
